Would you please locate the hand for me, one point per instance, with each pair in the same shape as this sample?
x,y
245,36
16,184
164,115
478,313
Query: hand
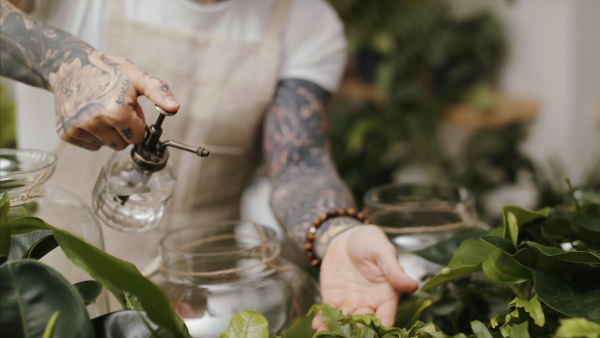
x,y
360,274
96,102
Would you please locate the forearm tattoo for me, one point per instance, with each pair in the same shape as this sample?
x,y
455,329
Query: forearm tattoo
x,y
305,182
30,51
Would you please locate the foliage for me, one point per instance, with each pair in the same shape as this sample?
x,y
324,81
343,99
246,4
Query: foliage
x,y
37,300
423,59
8,131
535,276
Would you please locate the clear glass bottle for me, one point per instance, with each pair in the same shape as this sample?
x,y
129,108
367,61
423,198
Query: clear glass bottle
x,y
23,175
130,199
212,271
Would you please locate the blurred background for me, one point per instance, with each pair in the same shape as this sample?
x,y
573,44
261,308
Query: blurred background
x,y
500,96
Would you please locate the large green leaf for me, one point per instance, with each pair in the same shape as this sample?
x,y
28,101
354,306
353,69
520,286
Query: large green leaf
x,y
31,293
557,254
511,228
578,297
247,324
126,324
441,253
585,227
115,274
4,232
447,275
502,268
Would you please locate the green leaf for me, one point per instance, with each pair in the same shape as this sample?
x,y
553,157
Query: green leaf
x,y
533,307
523,215
447,275
21,244
4,231
577,327
471,253
502,268
49,331
480,330
585,227
410,309
116,275
501,243
441,253
511,228
369,320
89,290
578,297
329,316
4,207
247,324
536,254
519,330
42,247
126,323
31,294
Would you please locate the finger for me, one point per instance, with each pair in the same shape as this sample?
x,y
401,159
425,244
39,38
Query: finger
x,y
80,138
318,324
387,259
158,91
387,312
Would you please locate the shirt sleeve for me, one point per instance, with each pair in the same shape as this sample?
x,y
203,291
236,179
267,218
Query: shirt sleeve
x,y
314,47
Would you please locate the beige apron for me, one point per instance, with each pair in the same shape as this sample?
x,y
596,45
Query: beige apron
x,y
224,87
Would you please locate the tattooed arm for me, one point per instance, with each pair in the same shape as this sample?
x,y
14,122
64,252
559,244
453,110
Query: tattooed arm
x,y
360,271
95,93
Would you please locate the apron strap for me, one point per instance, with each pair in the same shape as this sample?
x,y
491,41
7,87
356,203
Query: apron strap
x,y
278,19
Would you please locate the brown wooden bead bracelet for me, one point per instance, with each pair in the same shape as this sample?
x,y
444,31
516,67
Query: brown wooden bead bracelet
x,y
311,233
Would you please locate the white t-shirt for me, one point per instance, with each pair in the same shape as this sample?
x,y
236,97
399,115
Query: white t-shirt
x,y
314,46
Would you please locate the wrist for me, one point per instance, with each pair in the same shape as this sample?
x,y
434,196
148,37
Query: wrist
x,y
333,218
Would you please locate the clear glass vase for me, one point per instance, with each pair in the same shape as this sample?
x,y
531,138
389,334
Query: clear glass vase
x,y
417,215
212,271
23,175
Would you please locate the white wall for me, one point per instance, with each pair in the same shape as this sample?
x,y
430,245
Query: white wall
x,y
554,59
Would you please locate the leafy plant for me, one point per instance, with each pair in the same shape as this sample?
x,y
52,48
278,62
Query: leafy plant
x,y
535,276
38,301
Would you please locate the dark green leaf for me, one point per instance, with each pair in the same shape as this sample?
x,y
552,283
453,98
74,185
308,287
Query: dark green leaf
x,y
578,297
41,247
441,253
115,274
126,324
329,316
410,309
585,257
4,231
31,293
502,268
501,243
586,221
247,324
4,207
21,244
89,290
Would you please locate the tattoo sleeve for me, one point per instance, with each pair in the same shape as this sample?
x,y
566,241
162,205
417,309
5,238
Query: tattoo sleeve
x,y
305,181
30,51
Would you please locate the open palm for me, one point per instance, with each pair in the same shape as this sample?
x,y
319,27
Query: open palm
x,y
360,274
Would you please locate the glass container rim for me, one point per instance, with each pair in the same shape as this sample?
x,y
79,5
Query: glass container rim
x,y
269,236
18,151
448,185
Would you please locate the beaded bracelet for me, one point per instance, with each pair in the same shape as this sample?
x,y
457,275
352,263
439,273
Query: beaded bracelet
x,y
311,233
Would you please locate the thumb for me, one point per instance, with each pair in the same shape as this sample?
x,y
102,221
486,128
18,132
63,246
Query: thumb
x,y
394,273
158,91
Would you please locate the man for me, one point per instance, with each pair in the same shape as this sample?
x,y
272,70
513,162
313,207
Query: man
x,y
233,90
